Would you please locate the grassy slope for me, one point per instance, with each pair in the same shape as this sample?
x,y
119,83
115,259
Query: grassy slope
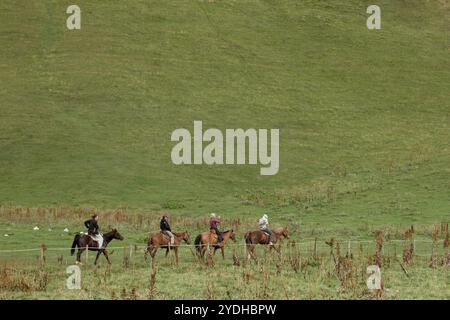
x,y
86,116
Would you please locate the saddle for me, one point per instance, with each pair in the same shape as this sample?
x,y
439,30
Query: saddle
x,y
93,237
268,236
219,236
169,239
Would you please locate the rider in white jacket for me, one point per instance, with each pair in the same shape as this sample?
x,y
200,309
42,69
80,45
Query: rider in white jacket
x,y
264,226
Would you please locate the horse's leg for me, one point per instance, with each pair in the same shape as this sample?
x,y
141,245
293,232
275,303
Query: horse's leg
x,y
105,253
153,251
223,252
275,246
200,252
203,252
96,258
80,251
150,249
147,251
167,252
253,253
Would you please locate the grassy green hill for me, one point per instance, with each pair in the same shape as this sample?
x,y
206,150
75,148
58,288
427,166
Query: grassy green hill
x,y
364,115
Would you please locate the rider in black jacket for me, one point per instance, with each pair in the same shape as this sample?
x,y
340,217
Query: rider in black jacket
x,y
164,224
165,228
93,230
92,225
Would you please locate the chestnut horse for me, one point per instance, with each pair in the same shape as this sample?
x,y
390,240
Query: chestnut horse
x,y
86,241
209,239
252,238
159,240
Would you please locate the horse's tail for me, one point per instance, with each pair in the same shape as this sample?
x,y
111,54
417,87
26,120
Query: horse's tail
x,y
197,242
74,244
247,237
149,244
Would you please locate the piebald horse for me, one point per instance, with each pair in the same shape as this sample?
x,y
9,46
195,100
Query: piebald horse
x,y
208,239
252,238
86,241
159,240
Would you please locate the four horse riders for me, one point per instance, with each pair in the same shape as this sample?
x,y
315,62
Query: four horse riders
x,y
165,228
264,227
213,222
93,229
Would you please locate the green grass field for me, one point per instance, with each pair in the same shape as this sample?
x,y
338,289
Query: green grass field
x,y
364,118
305,270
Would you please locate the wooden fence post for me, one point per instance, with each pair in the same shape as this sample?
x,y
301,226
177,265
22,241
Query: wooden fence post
x,y
131,254
43,249
349,249
315,248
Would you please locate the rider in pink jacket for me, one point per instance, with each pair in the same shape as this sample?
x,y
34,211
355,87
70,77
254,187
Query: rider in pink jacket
x,y
213,222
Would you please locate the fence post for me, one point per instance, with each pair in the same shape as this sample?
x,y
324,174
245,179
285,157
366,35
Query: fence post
x,y
349,249
131,254
315,248
43,248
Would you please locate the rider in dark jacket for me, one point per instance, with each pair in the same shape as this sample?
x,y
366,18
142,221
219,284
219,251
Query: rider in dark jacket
x,y
92,225
93,230
165,228
164,224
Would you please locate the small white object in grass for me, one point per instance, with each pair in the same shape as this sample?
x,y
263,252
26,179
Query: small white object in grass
x,y
49,229
66,230
6,235
36,228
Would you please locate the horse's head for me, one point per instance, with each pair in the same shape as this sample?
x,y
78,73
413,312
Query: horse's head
x,y
186,237
117,235
285,232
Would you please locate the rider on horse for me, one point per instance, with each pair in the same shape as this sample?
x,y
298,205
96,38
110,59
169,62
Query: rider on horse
x,y
93,229
165,228
213,222
264,227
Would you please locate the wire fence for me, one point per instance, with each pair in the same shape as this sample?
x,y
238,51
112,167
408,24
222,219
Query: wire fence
x,y
422,247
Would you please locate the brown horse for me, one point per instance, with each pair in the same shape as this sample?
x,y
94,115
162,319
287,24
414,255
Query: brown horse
x,y
209,239
159,240
252,238
86,241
